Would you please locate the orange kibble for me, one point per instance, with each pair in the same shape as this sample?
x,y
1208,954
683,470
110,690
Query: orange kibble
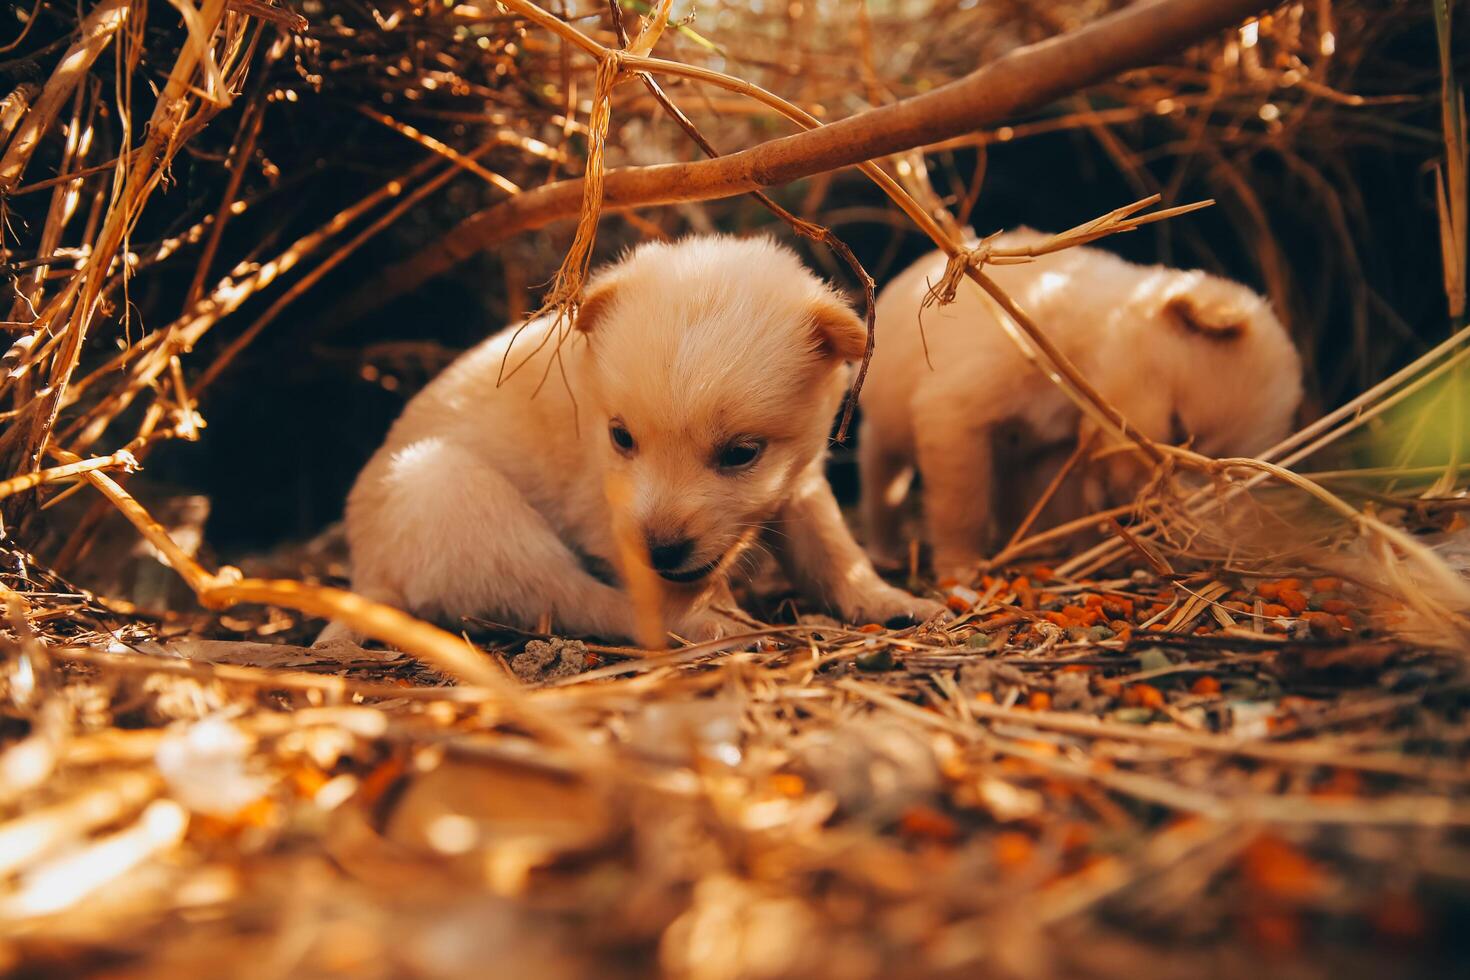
x,y
1399,918
1092,600
1039,701
380,780
985,697
1279,931
948,583
1042,572
1294,600
1077,669
1289,583
1268,590
871,628
927,823
957,604
1143,696
788,784
1075,836
256,814
1328,584
1323,625
1342,783
1457,523
1346,622
1275,610
1337,606
1278,870
1205,686
1041,748
1013,850
1021,584
1083,616
1155,627
1202,630
308,781
1059,619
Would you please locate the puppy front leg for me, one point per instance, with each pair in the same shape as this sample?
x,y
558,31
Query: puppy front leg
x,y
821,558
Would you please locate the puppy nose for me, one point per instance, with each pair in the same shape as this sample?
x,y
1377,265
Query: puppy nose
x,y
669,555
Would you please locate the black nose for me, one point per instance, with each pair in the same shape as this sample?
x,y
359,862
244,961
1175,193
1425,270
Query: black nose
x,y
669,555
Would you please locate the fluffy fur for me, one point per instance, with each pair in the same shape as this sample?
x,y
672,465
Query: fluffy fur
x,y
1184,355
492,501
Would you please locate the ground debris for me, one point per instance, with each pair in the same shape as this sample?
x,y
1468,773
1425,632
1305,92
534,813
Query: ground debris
x,y
1215,791
544,660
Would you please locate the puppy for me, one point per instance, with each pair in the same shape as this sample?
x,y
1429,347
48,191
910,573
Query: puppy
x,y
699,384
1183,355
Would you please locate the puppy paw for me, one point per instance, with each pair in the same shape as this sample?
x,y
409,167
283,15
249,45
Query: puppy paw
x,y
707,624
339,639
892,607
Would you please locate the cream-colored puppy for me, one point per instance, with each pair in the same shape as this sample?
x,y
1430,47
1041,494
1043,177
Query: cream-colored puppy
x,y
1183,355
701,378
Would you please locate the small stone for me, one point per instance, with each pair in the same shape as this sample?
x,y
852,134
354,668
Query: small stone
x,y
1073,692
980,641
987,676
1098,633
1324,625
1154,659
1134,716
875,660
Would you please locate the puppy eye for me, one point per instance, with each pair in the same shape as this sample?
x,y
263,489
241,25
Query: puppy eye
x,y
738,455
621,437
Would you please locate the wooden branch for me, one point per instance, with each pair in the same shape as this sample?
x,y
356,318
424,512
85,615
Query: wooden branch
x,y
1019,82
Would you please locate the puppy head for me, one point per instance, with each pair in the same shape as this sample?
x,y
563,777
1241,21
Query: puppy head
x,y
1236,376
715,367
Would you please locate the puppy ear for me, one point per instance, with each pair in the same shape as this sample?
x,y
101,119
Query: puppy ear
x,y
597,303
1212,308
841,333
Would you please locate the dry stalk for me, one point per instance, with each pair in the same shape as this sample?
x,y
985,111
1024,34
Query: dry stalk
x,y
141,175
93,36
121,460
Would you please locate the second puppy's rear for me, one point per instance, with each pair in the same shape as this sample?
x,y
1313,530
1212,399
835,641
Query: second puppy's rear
x,y
1183,355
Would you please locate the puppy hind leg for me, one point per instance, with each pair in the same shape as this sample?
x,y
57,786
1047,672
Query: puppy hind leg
x,y
958,496
886,475
454,537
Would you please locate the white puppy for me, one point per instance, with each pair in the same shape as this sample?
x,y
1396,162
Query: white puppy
x,y
1183,355
701,381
